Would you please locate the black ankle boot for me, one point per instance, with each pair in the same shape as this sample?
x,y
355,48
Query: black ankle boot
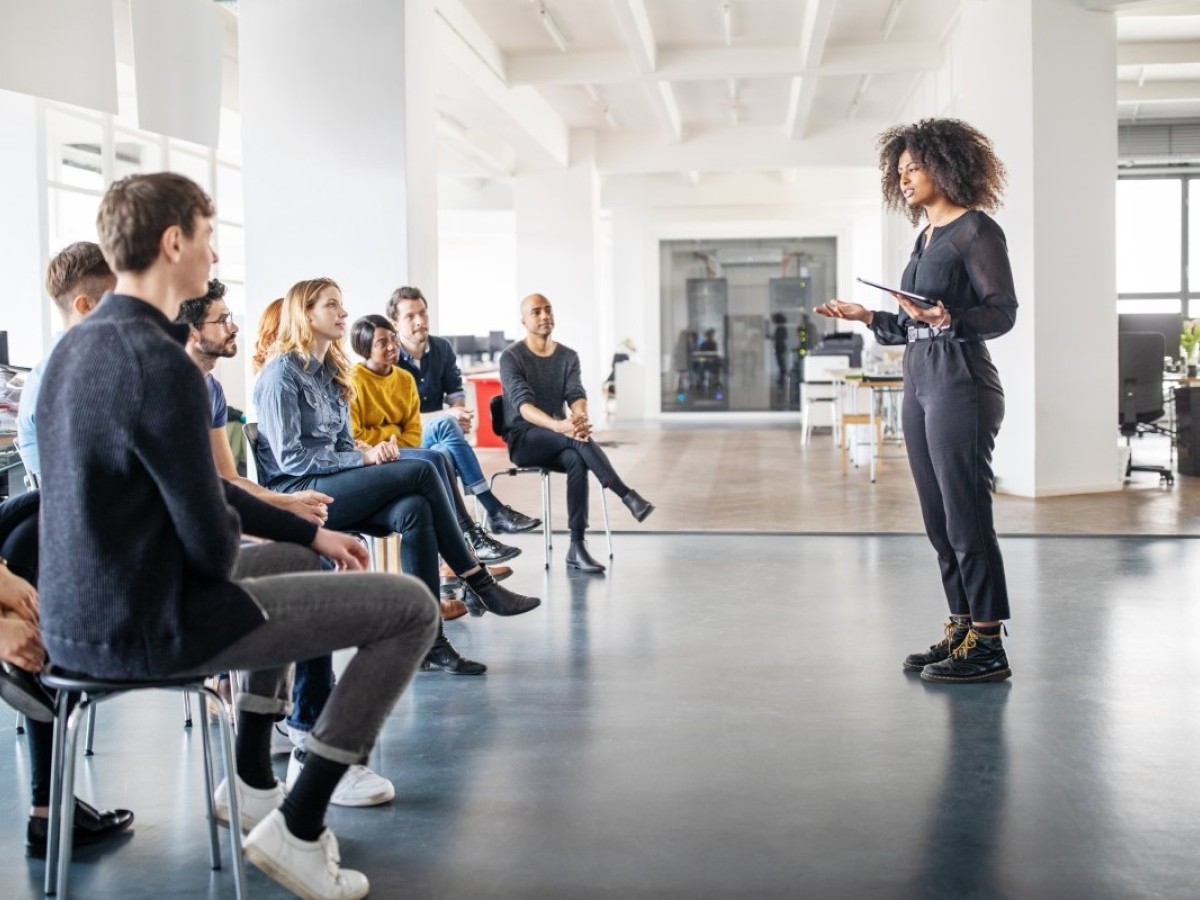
x,y
482,593
956,631
442,655
978,657
579,558
638,505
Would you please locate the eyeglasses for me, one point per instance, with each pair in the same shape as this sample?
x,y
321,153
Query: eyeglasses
x,y
226,321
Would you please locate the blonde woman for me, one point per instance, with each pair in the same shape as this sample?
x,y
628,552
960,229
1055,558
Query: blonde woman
x,y
302,396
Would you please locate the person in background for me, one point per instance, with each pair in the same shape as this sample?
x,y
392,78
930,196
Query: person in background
x,y
546,423
945,173
445,418
76,279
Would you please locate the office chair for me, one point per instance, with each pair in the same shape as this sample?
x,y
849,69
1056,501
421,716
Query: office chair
x,y
1140,371
496,407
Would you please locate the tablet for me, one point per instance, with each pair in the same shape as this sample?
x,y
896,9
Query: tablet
x,y
915,298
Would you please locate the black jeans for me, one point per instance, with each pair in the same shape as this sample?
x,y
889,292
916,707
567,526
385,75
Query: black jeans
x,y
537,446
953,407
405,496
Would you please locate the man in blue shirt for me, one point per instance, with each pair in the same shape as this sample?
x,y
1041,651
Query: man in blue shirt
x,y
76,279
445,418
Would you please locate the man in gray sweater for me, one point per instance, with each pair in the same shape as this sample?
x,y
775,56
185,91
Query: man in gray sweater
x,y
145,538
546,423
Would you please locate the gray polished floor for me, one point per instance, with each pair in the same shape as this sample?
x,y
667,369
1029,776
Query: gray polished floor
x,y
727,717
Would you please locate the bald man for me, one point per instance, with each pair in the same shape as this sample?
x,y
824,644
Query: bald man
x,y
546,423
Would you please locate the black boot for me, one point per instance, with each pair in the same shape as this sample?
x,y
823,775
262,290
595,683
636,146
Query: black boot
x,y
442,655
488,549
979,657
91,827
579,558
508,521
956,631
483,594
638,505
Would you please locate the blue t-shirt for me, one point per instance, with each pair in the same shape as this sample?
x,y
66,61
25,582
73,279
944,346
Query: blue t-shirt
x,y
216,395
27,444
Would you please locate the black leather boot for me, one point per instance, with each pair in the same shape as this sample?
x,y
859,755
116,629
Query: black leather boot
x,y
579,558
442,655
488,549
507,520
638,505
483,594
979,657
956,631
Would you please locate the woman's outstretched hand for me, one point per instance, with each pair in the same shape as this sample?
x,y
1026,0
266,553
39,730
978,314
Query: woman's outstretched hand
x,y
840,309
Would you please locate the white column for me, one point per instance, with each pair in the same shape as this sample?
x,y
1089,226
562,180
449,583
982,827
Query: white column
x,y
338,134
557,255
1039,77
24,306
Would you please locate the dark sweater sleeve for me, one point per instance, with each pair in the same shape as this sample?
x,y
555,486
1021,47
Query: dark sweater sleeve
x,y
512,377
573,381
887,327
986,261
261,519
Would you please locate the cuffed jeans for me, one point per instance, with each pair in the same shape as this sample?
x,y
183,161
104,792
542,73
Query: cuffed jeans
x,y
445,436
390,619
405,496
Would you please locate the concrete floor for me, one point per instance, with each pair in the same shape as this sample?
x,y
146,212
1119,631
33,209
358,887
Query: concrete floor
x,y
727,717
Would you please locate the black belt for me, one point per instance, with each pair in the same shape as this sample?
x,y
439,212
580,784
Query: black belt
x,y
925,334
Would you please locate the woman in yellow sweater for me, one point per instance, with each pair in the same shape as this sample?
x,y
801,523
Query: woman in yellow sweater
x,y
386,407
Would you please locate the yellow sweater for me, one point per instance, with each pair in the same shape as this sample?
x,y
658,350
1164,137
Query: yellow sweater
x,y
385,405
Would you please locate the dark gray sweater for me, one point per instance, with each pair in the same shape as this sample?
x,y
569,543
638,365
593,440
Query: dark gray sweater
x,y
138,533
551,383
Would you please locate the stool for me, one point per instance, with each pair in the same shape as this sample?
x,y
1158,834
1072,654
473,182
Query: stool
x,y
66,744
546,527
850,420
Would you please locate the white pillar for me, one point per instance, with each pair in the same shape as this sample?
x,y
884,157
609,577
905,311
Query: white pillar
x,y
339,154
1039,77
23,303
557,255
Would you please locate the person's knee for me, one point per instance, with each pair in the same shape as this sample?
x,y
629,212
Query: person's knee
x,y
410,514
444,428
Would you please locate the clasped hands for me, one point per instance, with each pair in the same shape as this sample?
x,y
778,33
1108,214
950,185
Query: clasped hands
x,y
576,426
385,451
20,639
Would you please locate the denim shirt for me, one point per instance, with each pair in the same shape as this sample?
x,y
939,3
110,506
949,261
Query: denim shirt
x,y
303,422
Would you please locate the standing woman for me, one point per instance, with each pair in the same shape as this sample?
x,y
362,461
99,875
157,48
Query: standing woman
x,y
946,172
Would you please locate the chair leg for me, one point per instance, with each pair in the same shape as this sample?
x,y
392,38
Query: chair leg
x,y
187,710
228,759
204,695
20,724
607,527
66,815
845,450
91,731
547,525
62,706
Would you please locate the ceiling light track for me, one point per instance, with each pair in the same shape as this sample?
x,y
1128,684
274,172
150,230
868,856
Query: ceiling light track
x,y
727,21
550,25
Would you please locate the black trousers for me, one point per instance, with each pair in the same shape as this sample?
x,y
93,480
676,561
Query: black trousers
x,y
537,446
953,407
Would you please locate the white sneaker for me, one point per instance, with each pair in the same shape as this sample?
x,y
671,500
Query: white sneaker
x,y
281,741
358,787
309,869
253,803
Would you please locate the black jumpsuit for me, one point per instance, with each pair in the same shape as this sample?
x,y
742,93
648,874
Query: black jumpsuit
x,y
954,404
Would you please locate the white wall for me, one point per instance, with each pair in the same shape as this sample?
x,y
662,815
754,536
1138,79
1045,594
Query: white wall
x,y
23,302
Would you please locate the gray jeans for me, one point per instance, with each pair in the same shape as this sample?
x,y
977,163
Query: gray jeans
x,y
391,620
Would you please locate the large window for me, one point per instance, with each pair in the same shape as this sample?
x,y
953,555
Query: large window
x,y
1158,234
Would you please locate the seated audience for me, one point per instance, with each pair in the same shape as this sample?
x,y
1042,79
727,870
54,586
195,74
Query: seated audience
x,y
147,580
445,418
76,279
546,421
302,397
212,335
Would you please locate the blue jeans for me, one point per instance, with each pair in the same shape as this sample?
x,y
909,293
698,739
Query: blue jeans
x,y
445,436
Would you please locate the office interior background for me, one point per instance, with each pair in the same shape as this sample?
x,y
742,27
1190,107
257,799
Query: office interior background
x,y
595,151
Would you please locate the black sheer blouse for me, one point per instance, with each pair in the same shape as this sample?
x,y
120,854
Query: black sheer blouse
x,y
966,267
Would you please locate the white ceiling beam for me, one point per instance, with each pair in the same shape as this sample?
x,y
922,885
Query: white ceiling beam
x,y
533,126
1157,91
639,36
1113,5
705,64
734,148
814,32
1158,53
